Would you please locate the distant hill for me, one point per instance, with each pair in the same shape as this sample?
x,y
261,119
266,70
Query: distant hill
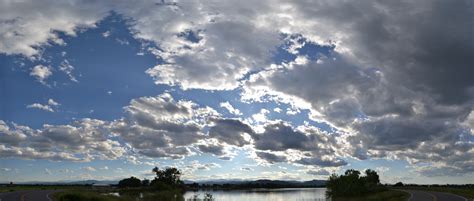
x,y
261,183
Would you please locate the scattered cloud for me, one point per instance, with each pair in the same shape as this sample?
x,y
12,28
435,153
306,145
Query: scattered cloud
x,y
41,107
89,169
41,73
230,108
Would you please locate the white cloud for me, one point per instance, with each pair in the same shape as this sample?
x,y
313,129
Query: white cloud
x,y
261,116
89,168
41,107
106,34
41,73
46,107
230,108
52,102
67,68
25,32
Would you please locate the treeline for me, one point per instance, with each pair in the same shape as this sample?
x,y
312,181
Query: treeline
x,y
351,183
258,184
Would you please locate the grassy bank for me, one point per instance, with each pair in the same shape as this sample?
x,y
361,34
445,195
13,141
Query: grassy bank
x,y
390,195
42,187
465,192
88,195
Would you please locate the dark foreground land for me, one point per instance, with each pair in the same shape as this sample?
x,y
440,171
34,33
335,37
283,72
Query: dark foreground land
x,y
28,195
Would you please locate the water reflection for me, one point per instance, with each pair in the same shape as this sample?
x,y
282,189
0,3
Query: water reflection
x,y
281,194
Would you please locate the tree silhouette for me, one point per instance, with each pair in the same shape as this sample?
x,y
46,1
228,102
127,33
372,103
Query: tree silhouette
x,y
130,182
169,176
352,184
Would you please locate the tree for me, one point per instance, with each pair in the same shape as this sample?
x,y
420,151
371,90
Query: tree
x,y
372,176
398,184
352,184
145,182
130,182
169,176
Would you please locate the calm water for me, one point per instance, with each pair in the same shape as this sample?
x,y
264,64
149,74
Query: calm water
x,y
281,194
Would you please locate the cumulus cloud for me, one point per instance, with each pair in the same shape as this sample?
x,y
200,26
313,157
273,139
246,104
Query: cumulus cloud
x,y
392,101
27,26
41,73
230,131
230,108
83,140
270,157
162,127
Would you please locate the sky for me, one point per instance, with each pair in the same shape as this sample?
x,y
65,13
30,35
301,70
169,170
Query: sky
x,y
289,90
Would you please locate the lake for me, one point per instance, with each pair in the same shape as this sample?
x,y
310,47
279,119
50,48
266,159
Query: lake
x,y
280,194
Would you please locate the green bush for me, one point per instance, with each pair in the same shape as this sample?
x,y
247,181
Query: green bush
x,y
352,184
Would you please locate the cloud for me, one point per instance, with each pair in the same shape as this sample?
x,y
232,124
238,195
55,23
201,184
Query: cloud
x,y
162,127
25,32
46,107
196,165
230,131
41,107
89,168
41,73
392,101
270,157
318,172
67,68
52,102
83,140
230,108
246,169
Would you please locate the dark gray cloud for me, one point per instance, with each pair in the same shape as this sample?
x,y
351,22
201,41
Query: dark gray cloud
x,y
217,150
230,131
271,158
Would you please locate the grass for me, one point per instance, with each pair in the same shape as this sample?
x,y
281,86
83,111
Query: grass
x,y
465,192
89,195
390,195
75,195
38,187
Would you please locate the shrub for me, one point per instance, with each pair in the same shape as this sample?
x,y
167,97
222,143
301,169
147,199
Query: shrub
x,y
130,182
352,184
